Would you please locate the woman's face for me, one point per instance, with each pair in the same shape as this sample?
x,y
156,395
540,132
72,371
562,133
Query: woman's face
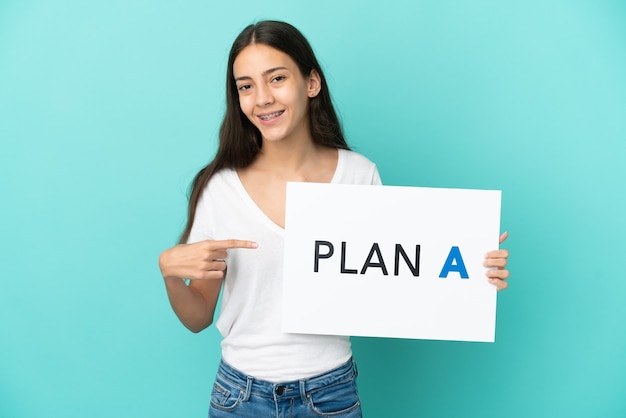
x,y
273,94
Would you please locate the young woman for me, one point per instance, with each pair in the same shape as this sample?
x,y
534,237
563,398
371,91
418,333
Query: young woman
x,y
280,126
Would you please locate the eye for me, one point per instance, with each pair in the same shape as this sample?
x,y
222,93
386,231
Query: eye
x,y
278,78
243,87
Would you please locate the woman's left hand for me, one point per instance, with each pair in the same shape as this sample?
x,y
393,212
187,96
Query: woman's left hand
x,y
498,259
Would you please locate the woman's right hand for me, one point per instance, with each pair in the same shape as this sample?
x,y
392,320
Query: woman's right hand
x,y
200,261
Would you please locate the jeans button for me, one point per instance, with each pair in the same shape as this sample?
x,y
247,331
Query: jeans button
x,y
279,390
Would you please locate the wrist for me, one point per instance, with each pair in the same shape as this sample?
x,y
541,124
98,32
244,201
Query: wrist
x,y
174,282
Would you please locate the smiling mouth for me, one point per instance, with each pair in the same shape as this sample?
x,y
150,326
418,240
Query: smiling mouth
x,y
270,116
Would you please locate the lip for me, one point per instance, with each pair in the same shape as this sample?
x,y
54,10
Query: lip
x,y
278,113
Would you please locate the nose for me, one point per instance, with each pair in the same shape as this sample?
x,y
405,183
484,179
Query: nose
x,y
264,96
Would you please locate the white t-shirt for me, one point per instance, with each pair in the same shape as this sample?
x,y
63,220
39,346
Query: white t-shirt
x,y
250,316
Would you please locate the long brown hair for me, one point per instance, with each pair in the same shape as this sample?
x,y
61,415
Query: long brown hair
x,y
239,140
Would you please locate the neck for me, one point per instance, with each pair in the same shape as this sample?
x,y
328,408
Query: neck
x,y
287,157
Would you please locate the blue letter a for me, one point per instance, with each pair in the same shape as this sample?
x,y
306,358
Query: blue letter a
x,y
454,262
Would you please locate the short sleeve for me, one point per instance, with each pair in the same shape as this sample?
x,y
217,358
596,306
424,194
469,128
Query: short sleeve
x,y
201,227
376,180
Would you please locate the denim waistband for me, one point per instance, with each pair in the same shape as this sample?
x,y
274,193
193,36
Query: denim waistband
x,y
299,388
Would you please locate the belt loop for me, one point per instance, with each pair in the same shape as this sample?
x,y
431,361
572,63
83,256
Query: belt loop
x,y
246,395
303,392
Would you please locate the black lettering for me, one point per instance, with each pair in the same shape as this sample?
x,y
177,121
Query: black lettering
x,y
343,260
415,268
368,261
318,255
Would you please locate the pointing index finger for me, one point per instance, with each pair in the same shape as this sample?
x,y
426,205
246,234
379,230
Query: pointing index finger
x,y
234,243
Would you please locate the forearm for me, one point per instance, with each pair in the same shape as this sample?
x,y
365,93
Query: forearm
x,y
204,263
194,305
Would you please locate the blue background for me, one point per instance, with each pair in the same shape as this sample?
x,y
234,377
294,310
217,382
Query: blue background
x,y
107,110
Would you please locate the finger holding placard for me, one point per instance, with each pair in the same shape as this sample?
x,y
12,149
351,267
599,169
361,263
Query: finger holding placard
x,y
497,260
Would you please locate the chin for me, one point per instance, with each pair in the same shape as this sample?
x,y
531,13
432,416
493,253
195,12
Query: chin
x,y
272,138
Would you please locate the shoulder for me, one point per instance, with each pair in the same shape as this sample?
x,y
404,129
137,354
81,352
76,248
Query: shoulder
x,y
221,183
355,160
355,168
220,178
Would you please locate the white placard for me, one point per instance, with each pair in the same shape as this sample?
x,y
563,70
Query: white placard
x,y
367,261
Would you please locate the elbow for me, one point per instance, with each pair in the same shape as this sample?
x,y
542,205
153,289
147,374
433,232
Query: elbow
x,y
198,327
195,330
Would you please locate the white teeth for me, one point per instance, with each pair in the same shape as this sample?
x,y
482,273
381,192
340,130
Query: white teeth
x,y
271,115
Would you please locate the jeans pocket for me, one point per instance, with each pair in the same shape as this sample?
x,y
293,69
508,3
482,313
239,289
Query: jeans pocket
x,y
225,395
335,400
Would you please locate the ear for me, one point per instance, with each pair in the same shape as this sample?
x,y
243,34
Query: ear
x,y
314,84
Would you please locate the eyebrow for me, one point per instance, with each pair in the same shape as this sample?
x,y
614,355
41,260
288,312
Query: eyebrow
x,y
266,72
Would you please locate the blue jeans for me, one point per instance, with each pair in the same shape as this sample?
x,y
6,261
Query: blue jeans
x,y
332,394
